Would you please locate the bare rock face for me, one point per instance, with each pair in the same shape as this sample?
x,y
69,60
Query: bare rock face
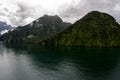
x,y
40,29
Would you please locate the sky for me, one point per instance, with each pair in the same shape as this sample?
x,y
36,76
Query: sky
x,y
22,12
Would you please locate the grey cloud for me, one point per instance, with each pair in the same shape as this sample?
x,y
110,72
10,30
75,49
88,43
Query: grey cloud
x,y
2,14
72,13
19,17
24,12
6,9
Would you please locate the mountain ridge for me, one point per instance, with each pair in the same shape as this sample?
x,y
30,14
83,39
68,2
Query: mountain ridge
x,y
96,29
38,30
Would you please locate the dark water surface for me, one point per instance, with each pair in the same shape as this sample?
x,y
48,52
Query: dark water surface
x,y
49,63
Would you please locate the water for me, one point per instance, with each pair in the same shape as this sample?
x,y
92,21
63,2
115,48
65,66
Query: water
x,y
21,62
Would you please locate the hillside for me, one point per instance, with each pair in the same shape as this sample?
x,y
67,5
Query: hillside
x,y
38,30
95,29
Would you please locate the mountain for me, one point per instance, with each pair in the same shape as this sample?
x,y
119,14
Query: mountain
x,y
96,29
38,30
4,27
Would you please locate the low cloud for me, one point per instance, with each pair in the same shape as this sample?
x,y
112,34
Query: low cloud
x,y
73,13
18,12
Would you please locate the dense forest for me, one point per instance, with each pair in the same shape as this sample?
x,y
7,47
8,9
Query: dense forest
x,y
40,29
95,29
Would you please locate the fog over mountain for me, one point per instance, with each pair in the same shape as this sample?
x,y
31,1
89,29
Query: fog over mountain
x,y
22,12
5,27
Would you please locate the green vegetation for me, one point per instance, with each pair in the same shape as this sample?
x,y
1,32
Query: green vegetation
x,y
96,29
36,31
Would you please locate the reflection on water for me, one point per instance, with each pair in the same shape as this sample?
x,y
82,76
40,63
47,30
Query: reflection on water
x,y
32,62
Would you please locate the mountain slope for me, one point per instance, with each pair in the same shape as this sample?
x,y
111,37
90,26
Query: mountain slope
x,y
37,31
94,29
4,27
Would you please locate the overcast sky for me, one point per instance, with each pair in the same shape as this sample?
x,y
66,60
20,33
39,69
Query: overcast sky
x,y
22,12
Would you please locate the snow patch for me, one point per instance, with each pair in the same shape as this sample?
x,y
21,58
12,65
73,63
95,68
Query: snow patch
x,y
37,20
30,36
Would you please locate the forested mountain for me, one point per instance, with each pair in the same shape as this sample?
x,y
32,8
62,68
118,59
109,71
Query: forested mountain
x,y
95,29
38,30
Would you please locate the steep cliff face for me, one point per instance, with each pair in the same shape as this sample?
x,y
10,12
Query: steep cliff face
x,y
37,31
94,29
